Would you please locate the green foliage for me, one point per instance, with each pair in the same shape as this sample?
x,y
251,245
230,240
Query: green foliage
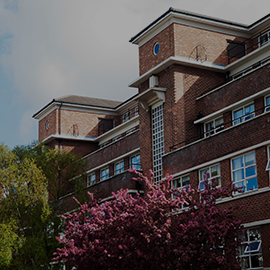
x,y
28,224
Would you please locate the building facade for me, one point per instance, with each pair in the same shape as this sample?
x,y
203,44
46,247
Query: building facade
x,y
202,107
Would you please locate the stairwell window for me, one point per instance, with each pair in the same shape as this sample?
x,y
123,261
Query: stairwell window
x,y
244,172
214,126
243,114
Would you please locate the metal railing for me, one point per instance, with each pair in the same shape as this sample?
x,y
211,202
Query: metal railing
x,y
202,135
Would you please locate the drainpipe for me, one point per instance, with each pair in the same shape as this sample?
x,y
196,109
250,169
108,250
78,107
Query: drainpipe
x,y
59,129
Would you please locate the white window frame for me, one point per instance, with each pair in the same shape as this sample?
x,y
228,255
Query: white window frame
x,y
91,179
244,117
245,251
137,164
266,107
211,177
244,168
120,169
104,176
267,34
268,162
125,116
178,183
215,128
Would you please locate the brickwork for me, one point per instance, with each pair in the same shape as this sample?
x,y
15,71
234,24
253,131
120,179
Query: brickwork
x,y
78,148
113,150
147,59
231,140
236,91
43,132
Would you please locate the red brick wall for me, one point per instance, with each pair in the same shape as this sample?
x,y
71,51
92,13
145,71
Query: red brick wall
x,y
181,40
147,59
113,150
78,148
42,131
235,91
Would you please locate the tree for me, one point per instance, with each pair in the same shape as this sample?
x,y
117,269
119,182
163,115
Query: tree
x,y
155,232
28,213
24,211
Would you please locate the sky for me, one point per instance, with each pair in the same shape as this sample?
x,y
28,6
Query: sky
x,y
53,48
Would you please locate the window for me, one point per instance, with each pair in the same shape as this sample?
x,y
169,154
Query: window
x,y
135,161
213,127
268,162
104,174
264,38
136,111
47,124
157,142
267,104
181,183
156,48
126,116
250,251
116,138
103,144
243,114
91,179
119,167
244,173
214,175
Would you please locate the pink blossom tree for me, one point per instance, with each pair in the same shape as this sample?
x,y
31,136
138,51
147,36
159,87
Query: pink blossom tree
x,y
167,229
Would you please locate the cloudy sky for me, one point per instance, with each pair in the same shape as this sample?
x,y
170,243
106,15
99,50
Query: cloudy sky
x,y
51,48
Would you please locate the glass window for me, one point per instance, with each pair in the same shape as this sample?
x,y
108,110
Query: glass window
x,y
214,175
91,179
104,174
243,114
126,116
267,104
182,182
213,126
119,167
263,39
135,161
136,110
244,172
250,251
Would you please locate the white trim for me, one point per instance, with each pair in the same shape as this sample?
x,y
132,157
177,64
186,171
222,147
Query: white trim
x,y
256,223
68,137
177,60
112,160
192,21
217,160
75,107
232,106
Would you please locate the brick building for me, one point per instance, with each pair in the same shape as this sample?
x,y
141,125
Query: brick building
x,y
202,106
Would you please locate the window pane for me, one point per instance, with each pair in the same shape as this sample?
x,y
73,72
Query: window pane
x,y
241,184
250,171
256,261
249,109
219,121
238,114
185,180
238,175
215,170
254,234
202,173
238,163
250,159
252,184
267,101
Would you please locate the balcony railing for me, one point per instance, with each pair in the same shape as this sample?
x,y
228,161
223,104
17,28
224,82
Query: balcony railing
x,y
249,45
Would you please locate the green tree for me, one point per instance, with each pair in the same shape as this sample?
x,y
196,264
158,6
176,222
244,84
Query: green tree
x,y
32,179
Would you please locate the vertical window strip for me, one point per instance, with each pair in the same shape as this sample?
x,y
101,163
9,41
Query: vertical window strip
x,y
157,142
